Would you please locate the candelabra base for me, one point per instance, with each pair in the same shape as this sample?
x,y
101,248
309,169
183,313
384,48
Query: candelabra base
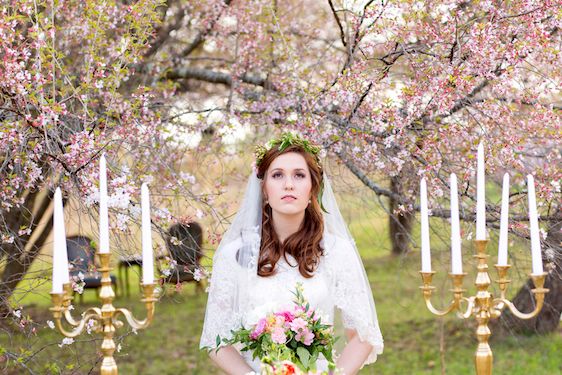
x,y
484,359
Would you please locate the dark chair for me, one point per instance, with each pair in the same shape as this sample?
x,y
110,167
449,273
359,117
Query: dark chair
x,y
81,258
184,243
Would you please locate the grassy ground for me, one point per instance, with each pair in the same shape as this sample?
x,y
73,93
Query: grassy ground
x,y
416,342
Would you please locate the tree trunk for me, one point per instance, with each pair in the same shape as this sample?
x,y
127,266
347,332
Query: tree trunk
x,y
17,258
400,225
548,318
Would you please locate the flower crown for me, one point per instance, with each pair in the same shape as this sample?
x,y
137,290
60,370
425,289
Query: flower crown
x,y
285,140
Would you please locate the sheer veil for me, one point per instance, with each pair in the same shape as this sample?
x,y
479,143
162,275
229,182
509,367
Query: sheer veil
x,y
235,264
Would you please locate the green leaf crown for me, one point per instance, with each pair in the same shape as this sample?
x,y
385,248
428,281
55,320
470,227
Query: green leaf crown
x,y
285,140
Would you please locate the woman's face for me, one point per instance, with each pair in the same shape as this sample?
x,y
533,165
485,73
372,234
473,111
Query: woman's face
x,y
288,184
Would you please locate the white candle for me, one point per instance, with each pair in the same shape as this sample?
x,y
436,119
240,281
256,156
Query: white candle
x,y
104,216
147,257
456,257
425,249
60,258
534,225
480,196
504,220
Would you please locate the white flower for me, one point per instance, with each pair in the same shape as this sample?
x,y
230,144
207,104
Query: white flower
x,y
120,199
24,231
50,324
544,233
66,341
166,272
78,287
197,274
187,177
199,214
550,254
7,238
92,198
17,313
121,220
90,325
292,117
118,348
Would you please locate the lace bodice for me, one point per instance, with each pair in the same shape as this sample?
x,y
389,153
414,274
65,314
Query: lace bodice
x,y
337,283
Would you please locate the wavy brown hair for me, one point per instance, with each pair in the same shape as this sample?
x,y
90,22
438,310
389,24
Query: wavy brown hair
x,y
303,245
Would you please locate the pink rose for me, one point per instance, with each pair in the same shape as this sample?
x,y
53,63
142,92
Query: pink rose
x,y
278,336
298,325
305,336
287,315
260,328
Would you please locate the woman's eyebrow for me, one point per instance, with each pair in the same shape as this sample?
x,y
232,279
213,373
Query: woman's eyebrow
x,y
281,169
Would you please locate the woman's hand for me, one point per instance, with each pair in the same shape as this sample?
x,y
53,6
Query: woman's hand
x,y
230,361
354,354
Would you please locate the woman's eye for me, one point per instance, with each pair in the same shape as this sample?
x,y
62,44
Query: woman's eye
x,y
276,175
301,175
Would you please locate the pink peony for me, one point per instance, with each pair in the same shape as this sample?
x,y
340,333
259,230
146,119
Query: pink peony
x,y
260,328
298,324
278,336
305,336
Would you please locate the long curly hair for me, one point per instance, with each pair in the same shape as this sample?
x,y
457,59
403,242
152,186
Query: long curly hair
x,y
303,245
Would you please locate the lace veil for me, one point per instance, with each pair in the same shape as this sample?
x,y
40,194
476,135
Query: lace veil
x,y
235,264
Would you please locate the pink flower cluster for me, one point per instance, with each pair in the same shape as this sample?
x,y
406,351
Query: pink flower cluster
x,y
284,323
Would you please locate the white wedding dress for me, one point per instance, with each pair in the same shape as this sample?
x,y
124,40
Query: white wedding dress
x,y
238,297
242,298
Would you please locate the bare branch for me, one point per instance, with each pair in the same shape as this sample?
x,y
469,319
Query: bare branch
x,y
212,76
200,38
334,12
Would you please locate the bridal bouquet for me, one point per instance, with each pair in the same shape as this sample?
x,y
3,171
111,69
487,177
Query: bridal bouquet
x,y
295,336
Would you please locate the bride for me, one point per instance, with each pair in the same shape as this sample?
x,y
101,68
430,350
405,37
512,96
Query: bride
x,y
289,230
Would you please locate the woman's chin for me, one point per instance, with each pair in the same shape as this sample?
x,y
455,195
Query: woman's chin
x,y
290,210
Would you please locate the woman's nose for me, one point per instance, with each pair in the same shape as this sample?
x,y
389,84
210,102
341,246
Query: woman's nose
x,y
289,183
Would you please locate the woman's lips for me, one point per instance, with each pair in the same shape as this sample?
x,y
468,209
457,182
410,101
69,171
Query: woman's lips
x,y
289,198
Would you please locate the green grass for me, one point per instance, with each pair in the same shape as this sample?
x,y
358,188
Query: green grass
x,y
412,334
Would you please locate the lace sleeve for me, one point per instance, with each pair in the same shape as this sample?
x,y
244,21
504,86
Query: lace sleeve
x,y
354,298
222,313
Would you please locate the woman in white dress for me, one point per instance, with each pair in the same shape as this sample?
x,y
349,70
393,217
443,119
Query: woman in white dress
x,y
289,230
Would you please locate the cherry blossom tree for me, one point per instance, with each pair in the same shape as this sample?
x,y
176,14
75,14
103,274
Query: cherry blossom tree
x,y
64,101
396,90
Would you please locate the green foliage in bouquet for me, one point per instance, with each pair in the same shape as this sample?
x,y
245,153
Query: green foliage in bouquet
x,y
297,335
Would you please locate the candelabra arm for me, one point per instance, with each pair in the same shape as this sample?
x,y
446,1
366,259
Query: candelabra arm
x,y
149,300
452,306
469,308
77,329
76,322
427,290
539,291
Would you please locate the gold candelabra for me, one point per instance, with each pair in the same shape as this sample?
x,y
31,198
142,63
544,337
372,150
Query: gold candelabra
x,y
104,319
483,305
